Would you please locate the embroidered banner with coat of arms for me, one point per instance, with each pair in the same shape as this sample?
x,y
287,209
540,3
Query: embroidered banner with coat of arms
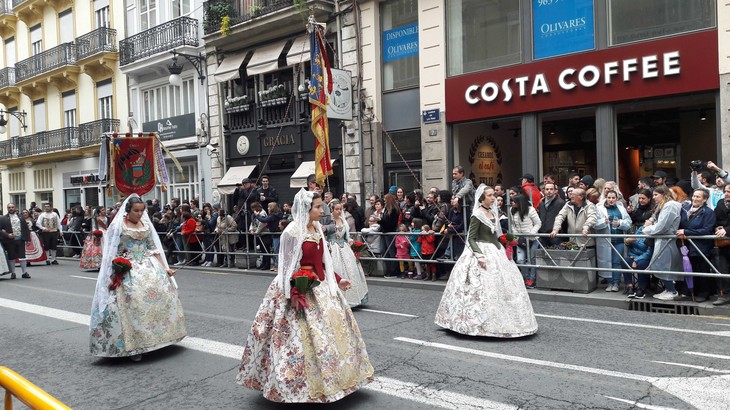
x,y
134,165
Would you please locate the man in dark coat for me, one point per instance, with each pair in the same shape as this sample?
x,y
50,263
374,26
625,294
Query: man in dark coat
x,y
14,233
550,206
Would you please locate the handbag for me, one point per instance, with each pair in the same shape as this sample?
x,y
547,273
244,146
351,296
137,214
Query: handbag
x,y
722,242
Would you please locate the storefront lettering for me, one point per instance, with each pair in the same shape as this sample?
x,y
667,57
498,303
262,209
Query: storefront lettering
x,y
563,25
85,179
278,140
651,66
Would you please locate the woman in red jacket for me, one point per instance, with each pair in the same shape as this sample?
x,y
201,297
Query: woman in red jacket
x,y
191,241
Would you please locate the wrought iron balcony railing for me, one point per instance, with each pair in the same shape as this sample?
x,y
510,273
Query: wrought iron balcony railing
x,y
270,113
4,8
101,40
164,37
7,77
48,60
90,133
239,11
69,138
17,3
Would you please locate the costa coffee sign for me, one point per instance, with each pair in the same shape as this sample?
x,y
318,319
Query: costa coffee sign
x,y
678,65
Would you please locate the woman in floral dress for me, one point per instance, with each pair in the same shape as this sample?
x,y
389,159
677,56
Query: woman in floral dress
x,y
485,295
315,355
344,261
144,312
92,253
34,251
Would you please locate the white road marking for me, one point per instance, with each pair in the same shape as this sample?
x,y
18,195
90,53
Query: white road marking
x,y
692,366
714,356
391,387
717,324
638,325
83,277
701,392
640,405
384,312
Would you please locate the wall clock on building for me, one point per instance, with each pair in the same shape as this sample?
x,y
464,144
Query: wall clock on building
x,y
242,145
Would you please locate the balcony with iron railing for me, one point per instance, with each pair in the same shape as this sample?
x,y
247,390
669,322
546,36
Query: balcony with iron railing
x,y
96,52
271,113
7,78
9,93
57,64
267,19
183,31
8,20
63,141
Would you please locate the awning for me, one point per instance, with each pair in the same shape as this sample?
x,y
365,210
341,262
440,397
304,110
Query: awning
x,y
265,59
299,51
299,177
234,176
229,68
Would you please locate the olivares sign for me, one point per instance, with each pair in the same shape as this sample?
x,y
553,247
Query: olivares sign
x,y
676,65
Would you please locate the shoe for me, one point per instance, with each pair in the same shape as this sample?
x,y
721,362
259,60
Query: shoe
x,y
614,288
76,256
12,276
390,276
54,262
666,295
700,299
722,300
48,262
4,273
180,264
136,358
418,277
609,287
530,284
274,268
629,290
26,276
639,294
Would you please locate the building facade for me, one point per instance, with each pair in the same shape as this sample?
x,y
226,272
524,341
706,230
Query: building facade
x,y
62,89
157,33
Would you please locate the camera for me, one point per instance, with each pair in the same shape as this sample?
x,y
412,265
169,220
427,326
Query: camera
x,y
698,165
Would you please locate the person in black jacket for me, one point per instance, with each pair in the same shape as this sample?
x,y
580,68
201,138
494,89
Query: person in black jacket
x,y
389,224
644,210
266,193
549,208
14,233
722,230
697,219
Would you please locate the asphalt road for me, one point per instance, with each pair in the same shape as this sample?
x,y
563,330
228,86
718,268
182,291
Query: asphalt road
x,y
582,357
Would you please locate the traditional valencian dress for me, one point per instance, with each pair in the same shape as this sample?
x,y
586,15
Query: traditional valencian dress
x,y
144,313
92,252
313,356
486,302
347,266
34,251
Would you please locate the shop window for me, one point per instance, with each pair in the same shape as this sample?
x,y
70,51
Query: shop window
x,y
400,44
632,20
402,146
569,145
482,34
73,197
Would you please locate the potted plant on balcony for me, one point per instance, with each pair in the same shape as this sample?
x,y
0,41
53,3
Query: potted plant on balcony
x,y
304,90
237,104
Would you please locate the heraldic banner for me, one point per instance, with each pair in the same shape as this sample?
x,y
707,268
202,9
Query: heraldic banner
x,y
134,164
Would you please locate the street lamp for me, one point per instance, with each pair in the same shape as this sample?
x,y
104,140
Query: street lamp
x,y
175,69
20,115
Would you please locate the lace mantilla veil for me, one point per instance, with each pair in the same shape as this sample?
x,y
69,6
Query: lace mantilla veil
x,y
290,245
477,212
111,243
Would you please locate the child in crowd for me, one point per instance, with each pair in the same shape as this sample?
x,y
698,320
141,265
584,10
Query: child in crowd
x,y
638,253
416,246
375,242
428,248
402,251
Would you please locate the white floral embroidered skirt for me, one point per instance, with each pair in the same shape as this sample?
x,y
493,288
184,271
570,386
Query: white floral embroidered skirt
x,y
348,267
315,357
144,314
491,302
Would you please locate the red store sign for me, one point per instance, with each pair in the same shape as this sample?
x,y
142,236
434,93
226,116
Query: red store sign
x,y
674,65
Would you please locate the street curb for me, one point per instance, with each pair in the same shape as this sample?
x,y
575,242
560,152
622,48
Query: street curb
x,y
595,298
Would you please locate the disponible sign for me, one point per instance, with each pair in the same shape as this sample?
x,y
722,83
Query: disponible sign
x,y
400,42
678,65
172,127
562,27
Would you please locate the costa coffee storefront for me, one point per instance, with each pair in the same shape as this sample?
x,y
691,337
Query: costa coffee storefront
x,y
622,112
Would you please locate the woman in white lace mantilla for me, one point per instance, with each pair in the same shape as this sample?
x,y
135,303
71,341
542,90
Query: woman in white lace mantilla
x,y
316,355
143,312
344,261
485,294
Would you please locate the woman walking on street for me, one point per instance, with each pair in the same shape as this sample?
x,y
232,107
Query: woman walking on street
x,y
305,348
343,258
136,307
485,294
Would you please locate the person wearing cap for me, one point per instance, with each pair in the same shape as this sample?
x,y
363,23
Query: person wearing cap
x,y
461,187
393,189
659,178
586,182
703,180
533,192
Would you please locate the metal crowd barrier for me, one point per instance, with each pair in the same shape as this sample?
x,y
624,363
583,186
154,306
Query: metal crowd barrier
x,y
28,393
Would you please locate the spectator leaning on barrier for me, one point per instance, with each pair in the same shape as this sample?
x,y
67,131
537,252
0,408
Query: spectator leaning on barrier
x,y
618,221
666,255
550,206
581,217
697,219
461,186
525,221
722,214
374,241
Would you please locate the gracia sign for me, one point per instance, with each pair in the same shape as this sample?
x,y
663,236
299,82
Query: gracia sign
x,y
678,65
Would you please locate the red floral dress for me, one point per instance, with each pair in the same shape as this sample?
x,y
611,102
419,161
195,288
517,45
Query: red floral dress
x,y
317,357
